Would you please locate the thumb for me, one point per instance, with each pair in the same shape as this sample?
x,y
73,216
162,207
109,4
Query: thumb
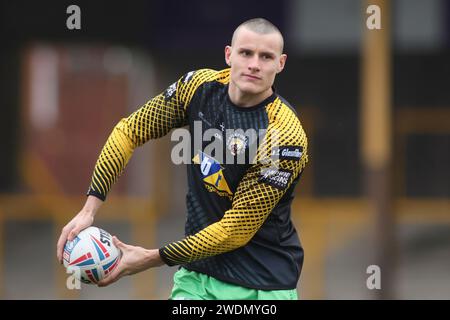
x,y
73,234
119,244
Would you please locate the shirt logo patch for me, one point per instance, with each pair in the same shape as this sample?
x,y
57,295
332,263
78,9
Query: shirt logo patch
x,y
170,91
277,178
287,152
188,76
212,174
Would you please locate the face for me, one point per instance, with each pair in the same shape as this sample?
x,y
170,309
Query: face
x,y
255,60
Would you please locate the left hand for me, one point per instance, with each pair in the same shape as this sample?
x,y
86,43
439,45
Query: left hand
x,y
133,260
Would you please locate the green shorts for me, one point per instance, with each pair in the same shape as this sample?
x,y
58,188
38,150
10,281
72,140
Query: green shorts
x,y
191,285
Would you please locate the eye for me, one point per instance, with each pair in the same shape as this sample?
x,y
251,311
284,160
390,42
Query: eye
x,y
245,53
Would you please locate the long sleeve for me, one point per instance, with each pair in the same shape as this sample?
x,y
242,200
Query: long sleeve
x,y
261,188
153,120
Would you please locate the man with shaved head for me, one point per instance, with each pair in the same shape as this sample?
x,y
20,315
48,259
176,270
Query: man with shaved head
x,y
240,242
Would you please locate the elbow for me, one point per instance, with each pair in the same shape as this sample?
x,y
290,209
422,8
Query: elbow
x,y
238,239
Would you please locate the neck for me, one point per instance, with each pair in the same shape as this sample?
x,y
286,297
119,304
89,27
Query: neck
x,y
242,99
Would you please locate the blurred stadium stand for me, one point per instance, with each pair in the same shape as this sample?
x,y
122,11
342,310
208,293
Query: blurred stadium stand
x,y
63,91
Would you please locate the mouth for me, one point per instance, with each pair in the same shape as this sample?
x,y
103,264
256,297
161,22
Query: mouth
x,y
251,77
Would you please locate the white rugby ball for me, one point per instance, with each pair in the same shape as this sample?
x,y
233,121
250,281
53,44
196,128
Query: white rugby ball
x,y
91,255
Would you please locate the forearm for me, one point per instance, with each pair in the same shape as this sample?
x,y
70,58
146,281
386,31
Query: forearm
x,y
230,233
112,160
91,206
153,120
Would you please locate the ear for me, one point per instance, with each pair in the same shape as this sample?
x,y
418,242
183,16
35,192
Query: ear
x,y
282,62
228,55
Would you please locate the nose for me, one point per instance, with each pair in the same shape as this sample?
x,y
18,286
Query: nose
x,y
254,64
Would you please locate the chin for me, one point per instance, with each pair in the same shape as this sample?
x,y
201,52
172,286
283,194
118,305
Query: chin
x,y
250,88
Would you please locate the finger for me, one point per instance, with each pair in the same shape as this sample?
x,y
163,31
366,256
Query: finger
x,y
115,275
60,245
73,234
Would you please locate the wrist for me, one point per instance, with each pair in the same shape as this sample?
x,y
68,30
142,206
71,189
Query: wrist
x,y
91,206
89,212
153,258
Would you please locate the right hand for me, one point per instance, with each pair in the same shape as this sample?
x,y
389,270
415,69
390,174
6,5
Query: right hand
x,y
80,222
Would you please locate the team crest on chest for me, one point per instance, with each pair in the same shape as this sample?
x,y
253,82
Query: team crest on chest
x,y
236,143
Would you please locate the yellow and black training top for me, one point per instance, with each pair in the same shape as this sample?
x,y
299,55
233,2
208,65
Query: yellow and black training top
x,y
241,179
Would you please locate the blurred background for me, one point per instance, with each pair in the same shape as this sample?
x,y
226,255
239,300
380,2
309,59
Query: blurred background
x,y
375,105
